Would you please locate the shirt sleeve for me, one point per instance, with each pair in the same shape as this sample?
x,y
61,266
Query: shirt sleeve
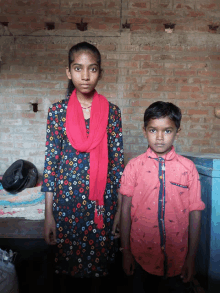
x,y
52,151
116,151
128,180
195,204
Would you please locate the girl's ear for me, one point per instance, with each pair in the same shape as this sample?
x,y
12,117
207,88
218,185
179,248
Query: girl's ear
x,y
68,73
100,74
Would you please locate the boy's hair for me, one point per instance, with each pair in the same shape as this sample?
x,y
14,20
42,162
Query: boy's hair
x,y
83,46
161,109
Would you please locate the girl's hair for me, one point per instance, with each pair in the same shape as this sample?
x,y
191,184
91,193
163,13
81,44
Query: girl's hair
x,y
159,110
84,46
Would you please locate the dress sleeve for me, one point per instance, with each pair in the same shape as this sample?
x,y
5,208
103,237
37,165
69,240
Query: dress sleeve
x,y
195,204
52,151
116,152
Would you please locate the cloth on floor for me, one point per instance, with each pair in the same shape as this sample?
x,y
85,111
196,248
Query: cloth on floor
x,y
29,203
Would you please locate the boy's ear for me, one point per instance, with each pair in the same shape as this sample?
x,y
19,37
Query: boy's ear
x,y
68,73
177,133
144,132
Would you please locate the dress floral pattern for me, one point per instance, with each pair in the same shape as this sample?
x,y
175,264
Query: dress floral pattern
x,y
82,249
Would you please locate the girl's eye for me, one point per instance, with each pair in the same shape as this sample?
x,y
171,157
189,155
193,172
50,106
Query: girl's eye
x,y
94,69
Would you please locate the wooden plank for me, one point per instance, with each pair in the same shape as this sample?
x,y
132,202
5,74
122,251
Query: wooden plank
x,y
21,228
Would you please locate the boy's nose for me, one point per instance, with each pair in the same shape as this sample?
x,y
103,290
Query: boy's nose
x,y
159,136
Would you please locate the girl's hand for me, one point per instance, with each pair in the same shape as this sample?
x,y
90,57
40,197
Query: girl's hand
x,y
116,225
128,262
50,230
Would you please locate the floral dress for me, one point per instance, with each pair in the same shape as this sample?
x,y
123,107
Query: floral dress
x,y
82,249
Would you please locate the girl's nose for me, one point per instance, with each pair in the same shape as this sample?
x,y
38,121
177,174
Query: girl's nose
x,y
85,75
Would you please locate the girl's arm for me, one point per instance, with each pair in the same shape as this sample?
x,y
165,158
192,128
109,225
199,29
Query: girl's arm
x,y
194,237
49,224
116,224
116,157
127,258
53,147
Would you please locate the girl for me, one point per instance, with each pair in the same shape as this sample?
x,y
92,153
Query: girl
x,y
83,166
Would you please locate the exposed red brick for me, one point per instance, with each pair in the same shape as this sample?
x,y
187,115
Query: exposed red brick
x,y
198,80
163,57
94,4
211,6
127,64
152,65
175,65
165,88
190,89
195,14
110,47
176,80
142,88
140,4
197,112
141,57
208,73
211,89
138,21
140,28
148,13
186,72
161,72
139,72
150,48
153,79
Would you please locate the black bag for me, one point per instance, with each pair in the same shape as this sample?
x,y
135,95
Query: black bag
x,y
20,175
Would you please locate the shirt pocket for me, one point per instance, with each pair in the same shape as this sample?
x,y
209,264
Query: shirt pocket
x,y
178,184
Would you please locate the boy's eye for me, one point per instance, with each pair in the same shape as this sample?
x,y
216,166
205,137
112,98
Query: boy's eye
x,y
77,68
168,131
152,130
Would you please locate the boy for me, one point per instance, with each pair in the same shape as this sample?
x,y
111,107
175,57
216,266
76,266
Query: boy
x,y
161,207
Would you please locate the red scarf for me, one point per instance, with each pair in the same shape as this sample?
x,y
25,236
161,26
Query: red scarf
x,y
95,144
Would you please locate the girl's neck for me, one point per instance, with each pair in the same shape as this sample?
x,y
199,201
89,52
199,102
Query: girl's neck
x,y
85,99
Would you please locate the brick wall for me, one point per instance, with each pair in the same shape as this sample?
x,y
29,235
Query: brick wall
x,y
142,64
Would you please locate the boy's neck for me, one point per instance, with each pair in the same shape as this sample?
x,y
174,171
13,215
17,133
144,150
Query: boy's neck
x,y
161,156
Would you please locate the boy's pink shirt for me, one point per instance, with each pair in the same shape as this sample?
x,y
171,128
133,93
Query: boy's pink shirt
x,y
183,195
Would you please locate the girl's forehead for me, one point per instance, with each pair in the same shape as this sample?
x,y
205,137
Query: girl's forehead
x,y
83,56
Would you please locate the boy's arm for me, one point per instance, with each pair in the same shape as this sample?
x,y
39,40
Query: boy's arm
x,y
127,258
194,236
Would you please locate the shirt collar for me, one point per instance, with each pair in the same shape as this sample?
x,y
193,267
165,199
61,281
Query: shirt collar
x,y
167,157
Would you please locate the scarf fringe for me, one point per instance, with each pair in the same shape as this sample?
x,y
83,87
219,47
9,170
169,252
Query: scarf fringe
x,y
98,219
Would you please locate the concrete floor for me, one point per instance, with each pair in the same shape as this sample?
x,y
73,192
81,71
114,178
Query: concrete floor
x,y
34,266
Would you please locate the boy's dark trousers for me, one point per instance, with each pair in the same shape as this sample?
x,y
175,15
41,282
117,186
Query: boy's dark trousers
x,y
145,282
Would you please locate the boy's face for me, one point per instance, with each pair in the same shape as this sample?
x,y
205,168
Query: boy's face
x,y
161,134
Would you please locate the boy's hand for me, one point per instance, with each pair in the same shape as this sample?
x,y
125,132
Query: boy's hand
x,y
128,262
188,270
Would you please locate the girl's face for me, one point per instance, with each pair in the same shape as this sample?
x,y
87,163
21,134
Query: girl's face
x,y
84,72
